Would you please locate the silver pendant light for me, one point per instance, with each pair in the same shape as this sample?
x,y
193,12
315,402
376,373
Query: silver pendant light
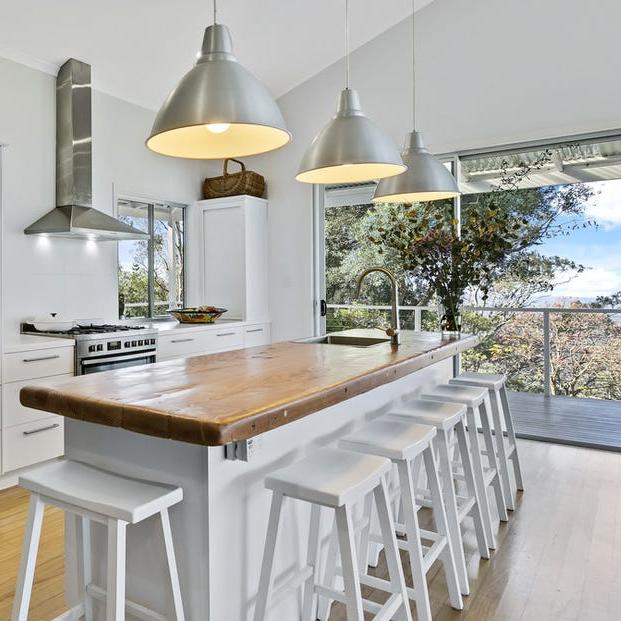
x,y
350,148
218,109
426,178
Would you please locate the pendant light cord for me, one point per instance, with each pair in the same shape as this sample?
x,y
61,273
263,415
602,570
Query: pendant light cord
x,y
215,12
347,44
413,65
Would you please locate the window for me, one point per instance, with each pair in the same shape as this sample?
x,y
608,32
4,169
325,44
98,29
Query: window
x,y
151,271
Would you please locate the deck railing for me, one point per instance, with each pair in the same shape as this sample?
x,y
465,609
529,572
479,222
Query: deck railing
x,y
545,311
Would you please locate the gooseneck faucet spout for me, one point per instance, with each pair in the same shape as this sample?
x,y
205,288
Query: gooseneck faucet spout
x,y
393,330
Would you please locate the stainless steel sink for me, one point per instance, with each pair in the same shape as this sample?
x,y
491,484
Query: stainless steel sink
x,y
342,339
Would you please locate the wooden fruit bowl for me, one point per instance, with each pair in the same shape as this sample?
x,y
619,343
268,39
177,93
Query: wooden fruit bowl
x,y
197,314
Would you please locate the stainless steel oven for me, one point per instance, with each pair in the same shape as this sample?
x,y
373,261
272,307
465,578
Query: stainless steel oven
x,y
103,347
115,351
115,361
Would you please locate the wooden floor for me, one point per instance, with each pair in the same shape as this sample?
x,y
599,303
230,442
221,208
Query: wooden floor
x,y
558,558
47,597
583,422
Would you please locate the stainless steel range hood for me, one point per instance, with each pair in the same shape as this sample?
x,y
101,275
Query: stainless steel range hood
x,y
74,215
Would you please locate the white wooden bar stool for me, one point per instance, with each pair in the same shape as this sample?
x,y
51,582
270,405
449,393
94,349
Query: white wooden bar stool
x,y
475,398
449,421
503,423
408,445
107,498
336,479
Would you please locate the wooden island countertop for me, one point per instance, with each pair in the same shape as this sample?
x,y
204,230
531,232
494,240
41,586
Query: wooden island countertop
x,y
220,398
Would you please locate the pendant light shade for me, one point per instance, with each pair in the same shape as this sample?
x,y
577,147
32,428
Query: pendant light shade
x,y
218,109
426,178
350,148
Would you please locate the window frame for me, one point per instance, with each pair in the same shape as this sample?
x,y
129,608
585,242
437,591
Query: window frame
x,y
151,205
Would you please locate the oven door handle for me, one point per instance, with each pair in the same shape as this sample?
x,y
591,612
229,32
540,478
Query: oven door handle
x,y
89,362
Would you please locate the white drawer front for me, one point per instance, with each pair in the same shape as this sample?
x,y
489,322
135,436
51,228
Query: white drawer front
x,y
14,413
24,445
180,345
257,335
224,339
39,363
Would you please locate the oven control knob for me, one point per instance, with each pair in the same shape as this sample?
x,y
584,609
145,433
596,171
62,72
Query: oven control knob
x,y
152,341
133,343
140,343
99,347
91,348
127,343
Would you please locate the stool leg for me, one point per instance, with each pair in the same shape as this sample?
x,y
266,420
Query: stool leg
x,y
351,578
439,515
501,449
309,605
450,504
364,535
115,587
512,439
172,565
87,568
267,567
395,570
324,603
21,603
493,462
415,550
471,487
479,479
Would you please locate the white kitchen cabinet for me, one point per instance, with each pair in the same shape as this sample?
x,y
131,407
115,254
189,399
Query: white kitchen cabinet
x,y
234,262
195,341
30,436
257,334
37,364
30,443
14,413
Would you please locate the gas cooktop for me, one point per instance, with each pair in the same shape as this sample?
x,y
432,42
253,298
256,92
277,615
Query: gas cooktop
x,y
82,330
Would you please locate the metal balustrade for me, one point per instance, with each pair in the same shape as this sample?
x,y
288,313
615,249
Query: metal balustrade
x,y
546,311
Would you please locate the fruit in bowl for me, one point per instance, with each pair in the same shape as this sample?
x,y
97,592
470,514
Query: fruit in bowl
x,y
197,314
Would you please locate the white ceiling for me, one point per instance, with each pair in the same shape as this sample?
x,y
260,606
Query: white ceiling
x,y
140,48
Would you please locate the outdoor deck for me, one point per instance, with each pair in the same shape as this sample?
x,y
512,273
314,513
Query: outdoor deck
x,y
568,420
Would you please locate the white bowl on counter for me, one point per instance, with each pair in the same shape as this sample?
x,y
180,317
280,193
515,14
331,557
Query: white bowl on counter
x,y
52,323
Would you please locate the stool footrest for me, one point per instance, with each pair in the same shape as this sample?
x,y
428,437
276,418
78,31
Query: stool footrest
x,y
431,554
283,590
72,614
464,506
135,610
382,612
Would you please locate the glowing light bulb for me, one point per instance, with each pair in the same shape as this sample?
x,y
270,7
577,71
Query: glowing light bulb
x,y
218,128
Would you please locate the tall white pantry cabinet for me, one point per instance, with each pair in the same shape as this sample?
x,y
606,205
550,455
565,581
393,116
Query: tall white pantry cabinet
x,y
234,262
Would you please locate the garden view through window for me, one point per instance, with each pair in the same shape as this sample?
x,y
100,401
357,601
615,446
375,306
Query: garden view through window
x,y
151,272
545,228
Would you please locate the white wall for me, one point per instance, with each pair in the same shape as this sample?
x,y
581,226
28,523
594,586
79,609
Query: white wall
x,y
74,277
489,72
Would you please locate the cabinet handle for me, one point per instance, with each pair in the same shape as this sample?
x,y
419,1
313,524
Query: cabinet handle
x,y
181,340
226,334
32,431
41,358
254,330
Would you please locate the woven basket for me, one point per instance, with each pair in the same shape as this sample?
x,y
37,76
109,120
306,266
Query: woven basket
x,y
234,184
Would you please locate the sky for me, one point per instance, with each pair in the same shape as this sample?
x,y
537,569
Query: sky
x,y
598,249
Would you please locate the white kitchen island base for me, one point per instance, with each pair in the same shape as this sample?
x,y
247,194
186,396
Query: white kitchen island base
x,y
219,528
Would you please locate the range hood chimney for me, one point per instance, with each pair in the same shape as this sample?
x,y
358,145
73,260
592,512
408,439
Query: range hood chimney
x,y
74,215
